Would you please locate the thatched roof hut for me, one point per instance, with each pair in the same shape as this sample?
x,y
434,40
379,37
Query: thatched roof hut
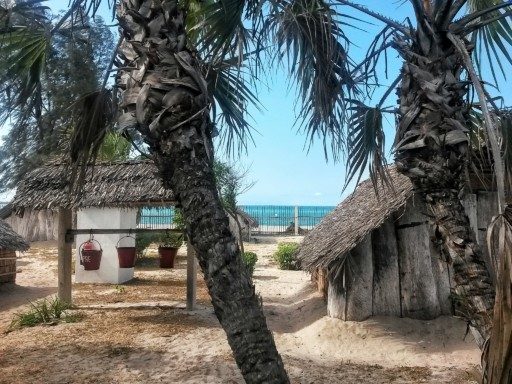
x,y
10,242
117,184
373,255
359,214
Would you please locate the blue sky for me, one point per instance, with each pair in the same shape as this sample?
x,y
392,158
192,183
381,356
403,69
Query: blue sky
x,y
278,162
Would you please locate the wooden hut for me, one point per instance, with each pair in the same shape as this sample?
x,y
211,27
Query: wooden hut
x,y
373,255
111,196
42,191
10,242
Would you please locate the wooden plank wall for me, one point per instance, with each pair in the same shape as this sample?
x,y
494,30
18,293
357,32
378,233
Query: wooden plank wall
x,y
397,270
418,284
35,225
7,266
350,290
386,284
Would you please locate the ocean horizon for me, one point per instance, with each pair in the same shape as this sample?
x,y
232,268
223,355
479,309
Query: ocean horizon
x,y
272,216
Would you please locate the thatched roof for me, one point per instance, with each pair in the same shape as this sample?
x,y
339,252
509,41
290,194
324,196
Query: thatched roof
x,y
119,184
10,240
246,218
361,212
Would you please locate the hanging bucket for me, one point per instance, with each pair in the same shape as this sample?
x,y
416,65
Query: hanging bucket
x,y
90,255
126,255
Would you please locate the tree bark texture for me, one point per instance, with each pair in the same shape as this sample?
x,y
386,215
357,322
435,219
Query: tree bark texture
x,y
165,98
432,145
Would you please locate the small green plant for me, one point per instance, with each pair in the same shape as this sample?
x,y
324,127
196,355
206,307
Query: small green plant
x,y
171,239
120,289
143,241
178,219
250,259
286,256
44,311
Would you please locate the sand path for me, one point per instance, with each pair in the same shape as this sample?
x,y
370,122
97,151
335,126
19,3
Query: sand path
x,y
140,333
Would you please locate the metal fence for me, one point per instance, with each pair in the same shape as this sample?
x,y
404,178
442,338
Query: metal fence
x,y
285,219
156,217
268,219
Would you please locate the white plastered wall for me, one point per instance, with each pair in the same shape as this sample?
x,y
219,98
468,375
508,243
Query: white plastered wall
x,y
105,218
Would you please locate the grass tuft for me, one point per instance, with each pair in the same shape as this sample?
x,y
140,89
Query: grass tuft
x,y
45,312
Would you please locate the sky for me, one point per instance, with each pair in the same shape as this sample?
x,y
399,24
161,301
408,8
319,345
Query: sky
x,y
284,172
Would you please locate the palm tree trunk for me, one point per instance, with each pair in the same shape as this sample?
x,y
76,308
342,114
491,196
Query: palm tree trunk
x,y
165,99
432,146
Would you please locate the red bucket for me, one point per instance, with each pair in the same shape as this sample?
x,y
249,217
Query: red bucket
x,y
90,256
126,255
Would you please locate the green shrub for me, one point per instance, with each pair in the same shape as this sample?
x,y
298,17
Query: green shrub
x,y
250,259
286,256
44,312
170,239
144,240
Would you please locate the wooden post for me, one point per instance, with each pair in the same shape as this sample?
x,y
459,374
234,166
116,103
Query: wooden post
x,y
296,220
191,277
64,256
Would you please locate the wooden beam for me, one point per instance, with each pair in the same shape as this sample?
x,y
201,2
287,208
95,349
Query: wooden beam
x,y
71,233
191,277
64,255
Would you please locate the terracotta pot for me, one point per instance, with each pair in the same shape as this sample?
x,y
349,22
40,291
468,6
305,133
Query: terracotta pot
x,y
167,256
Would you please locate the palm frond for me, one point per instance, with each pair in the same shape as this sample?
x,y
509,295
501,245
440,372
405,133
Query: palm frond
x,y
23,53
366,72
365,144
232,96
29,13
491,33
497,355
310,40
93,115
219,29
505,126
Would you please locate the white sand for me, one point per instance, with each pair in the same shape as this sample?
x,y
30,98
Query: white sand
x,y
126,337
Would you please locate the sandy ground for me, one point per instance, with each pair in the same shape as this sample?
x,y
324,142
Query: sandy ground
x,y
141,333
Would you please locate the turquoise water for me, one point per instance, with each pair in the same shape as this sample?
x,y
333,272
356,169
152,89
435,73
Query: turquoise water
x,y
266,215
283,215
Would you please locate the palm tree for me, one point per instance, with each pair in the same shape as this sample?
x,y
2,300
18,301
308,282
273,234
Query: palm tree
x,y
433,139
166,87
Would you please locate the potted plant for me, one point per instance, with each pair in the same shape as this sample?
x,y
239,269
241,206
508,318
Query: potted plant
x,y
169,243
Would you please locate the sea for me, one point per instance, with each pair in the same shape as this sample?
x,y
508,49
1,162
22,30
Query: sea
x,y
270,217
284,215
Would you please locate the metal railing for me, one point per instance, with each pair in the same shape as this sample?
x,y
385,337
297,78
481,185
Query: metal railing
x,y
156,217
266,219
282,219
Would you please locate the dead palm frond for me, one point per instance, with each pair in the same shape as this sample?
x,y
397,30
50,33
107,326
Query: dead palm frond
x,y
497,356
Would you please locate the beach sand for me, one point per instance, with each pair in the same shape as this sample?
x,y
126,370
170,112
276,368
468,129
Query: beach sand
x,y
141,333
